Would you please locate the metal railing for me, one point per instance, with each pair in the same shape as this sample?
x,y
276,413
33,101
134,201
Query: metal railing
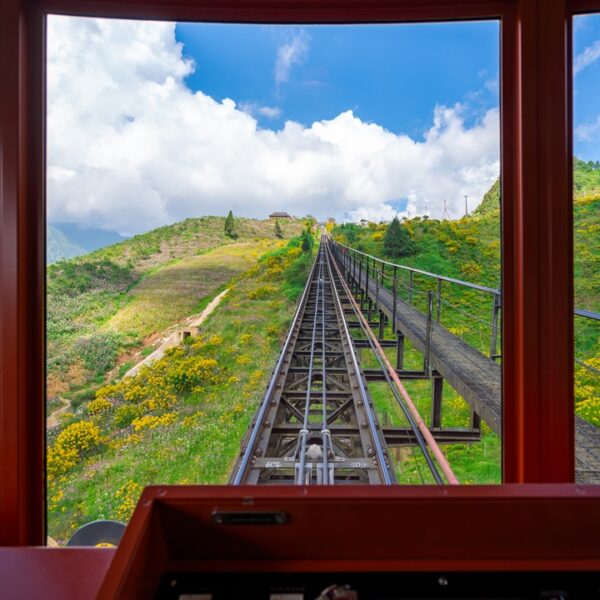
x,y
386,274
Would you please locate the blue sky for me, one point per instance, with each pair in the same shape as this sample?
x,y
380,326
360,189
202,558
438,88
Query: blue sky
x,y
153,122
393,75
586,88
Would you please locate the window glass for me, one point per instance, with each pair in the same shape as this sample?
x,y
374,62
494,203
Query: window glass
x,y
198,175
586,235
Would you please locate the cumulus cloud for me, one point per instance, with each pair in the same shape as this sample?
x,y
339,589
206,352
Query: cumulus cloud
x,y
131,147
589,55
292,53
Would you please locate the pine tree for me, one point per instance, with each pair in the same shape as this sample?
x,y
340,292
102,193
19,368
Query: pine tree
x,y
307,241
278,231
229,225
397,241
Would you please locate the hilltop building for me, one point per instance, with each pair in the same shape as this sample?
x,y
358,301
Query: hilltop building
x,y
279,215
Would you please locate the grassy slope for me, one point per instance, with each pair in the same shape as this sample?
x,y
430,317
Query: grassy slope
x,y
104,303
182,419
469,249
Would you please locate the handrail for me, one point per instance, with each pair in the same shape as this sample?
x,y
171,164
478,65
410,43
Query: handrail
x,y
482,288
580,312
475,286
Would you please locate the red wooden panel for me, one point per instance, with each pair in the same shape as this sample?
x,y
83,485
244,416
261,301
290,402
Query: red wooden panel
x,y
22,237
538,269
52,574
280,11
400,528
537,274
583,6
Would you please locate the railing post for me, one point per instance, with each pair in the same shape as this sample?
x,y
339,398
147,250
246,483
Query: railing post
x,y
410,286
439,300
399,351
437,391
427,358
367,283
360,270
394,300
495,315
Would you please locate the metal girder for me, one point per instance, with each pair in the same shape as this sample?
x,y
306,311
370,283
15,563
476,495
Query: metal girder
x,y
316,423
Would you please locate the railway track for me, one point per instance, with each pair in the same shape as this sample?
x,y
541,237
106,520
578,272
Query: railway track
x,y
316,423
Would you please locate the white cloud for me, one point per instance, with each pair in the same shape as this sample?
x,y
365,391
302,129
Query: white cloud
x,y
588,132
252,108
130,147
292,53
589,55
272,112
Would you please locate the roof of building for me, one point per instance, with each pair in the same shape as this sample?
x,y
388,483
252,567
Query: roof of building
x,y
280,214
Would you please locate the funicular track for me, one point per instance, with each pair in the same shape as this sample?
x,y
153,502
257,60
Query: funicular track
x,y
316,423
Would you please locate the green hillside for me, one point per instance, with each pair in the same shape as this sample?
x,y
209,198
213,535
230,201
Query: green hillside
x,y
181,419
469,249
59,246
116,301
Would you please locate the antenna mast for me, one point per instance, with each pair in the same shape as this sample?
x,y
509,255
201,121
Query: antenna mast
x,y
445,214
466,206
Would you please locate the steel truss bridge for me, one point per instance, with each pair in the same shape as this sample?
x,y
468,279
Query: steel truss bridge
x,y
317,423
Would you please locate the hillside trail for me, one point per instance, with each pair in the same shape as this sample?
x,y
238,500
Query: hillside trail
x,y
176,337
53,418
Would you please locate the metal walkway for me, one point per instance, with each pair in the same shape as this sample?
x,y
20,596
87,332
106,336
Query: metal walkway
x,y
477,378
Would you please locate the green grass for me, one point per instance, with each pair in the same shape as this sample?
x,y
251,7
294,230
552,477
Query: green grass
x,y
103,304
176,290
211,412
472,463
469,249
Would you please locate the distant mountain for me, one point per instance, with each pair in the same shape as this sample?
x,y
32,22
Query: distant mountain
x,y
59,246
67,240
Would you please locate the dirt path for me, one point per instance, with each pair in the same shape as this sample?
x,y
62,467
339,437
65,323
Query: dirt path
x,y
53,418
197,321
177,336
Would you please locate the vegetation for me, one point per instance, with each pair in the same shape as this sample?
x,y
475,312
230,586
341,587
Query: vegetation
x,y
397,242
107,306
469,249
181,419
229,225
278,231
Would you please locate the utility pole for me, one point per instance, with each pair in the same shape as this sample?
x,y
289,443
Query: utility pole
x,y
466,206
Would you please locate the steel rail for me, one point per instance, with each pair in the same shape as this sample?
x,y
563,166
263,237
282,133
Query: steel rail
x,y
363,390
267,397
304,431
413,425
325,430
416,422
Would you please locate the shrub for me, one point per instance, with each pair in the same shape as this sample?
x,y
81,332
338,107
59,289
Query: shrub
x,y
76,440
153,421
95,407
125,414
127,496
82,437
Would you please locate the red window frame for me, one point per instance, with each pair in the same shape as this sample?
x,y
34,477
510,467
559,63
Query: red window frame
x,y
536,109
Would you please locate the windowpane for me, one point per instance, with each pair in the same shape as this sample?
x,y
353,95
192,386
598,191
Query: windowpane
x,y
192,170
586,216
